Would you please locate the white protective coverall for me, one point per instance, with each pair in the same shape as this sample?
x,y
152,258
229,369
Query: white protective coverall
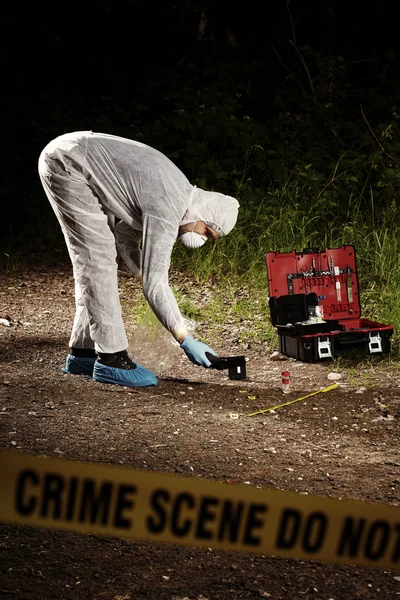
x,y
112,193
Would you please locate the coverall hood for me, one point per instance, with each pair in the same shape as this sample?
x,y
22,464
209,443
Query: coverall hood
x,y
217,210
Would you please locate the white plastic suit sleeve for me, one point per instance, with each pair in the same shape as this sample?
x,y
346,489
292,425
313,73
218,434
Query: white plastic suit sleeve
x,y
156,258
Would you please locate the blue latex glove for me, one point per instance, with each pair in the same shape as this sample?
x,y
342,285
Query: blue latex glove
x,y
196,351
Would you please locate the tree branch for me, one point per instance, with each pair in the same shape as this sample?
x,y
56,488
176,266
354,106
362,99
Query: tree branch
x,y
291,22
288,70
334,178
202,23
377,140
303,62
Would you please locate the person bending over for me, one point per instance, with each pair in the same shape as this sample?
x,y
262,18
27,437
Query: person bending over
x,y
115,196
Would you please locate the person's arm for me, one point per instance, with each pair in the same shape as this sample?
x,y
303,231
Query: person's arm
x,y
158,240
159,237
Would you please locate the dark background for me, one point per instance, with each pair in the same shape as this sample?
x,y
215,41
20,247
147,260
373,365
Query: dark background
x,y
139,70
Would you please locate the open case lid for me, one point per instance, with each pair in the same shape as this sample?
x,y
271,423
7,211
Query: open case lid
x,y
331,274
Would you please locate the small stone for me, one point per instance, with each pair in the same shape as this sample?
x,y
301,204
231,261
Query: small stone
x,y
381,418
277,356
334,376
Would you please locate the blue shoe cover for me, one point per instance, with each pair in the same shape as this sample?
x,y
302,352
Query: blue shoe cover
x,y
79,365
138,377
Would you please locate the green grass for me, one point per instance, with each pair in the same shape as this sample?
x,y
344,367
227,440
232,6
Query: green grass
x,y
284,220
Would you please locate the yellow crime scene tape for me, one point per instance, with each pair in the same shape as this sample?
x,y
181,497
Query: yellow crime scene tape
x,y
325,389
88,498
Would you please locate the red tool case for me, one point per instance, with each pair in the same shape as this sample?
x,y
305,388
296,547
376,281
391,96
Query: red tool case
x,y
315,305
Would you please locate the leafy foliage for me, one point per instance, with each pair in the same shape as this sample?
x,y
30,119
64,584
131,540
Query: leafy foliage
x,y
308,141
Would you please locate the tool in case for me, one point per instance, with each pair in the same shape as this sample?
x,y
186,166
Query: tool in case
x,y
315,306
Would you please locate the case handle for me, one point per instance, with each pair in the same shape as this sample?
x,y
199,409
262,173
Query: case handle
x,y
310,251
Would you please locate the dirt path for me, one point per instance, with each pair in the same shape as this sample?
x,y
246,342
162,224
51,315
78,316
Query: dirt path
x,y
344,444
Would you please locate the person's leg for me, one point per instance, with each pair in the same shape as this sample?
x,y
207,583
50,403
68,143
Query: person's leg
x,y
91,245
82,355
80,334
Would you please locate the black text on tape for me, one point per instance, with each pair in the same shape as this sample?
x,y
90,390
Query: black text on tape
x,y
99,499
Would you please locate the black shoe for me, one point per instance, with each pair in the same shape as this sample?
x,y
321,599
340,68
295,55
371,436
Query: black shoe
x,y
118,360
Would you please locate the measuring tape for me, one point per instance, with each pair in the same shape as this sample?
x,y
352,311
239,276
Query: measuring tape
x,y
325,389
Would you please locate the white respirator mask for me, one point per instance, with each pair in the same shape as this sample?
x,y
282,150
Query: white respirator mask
x,y
191,239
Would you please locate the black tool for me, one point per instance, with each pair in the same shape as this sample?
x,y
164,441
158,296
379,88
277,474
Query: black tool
x,y
236,365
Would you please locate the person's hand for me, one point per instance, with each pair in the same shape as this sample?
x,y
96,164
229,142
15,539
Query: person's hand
x,y
196,351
